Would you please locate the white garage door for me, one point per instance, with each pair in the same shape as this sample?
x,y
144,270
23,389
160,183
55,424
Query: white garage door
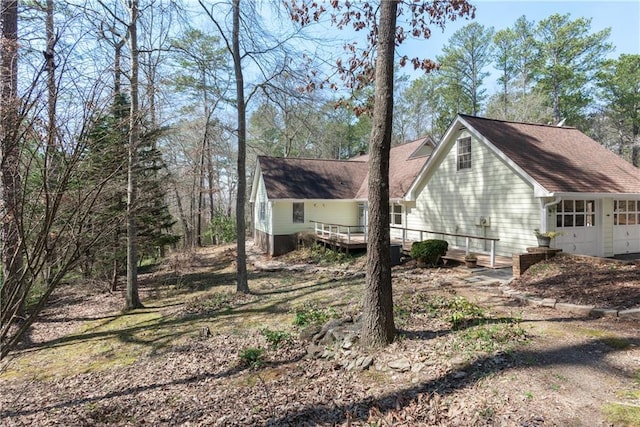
x,y
626,226
576,219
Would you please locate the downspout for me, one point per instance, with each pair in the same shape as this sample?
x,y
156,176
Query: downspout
x,y
545,208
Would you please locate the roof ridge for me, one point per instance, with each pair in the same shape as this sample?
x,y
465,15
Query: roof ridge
x,y
309,159
517,122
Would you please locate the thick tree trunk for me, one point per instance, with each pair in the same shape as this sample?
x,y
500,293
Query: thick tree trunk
x,y
242,281
132,296
378,328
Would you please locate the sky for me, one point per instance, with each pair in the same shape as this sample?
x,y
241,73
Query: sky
x,y
623,17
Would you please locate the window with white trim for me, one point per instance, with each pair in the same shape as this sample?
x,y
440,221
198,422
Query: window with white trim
x,y
395,214
626,212
298,213
464,153
576,213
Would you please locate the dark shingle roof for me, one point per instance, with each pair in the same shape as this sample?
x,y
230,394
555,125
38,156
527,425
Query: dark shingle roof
x,y
290,178
561,159
403,168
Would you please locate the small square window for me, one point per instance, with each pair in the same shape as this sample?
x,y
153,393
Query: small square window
x,y
568,220
567,206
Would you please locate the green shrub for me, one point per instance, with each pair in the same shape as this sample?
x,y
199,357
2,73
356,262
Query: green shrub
x,y
252,357
429,251
322,255
275,338
310,314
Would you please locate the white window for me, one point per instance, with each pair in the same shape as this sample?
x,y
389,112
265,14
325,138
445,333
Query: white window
x,y
576,213
626,212
395,214
298,213
464,153
262,211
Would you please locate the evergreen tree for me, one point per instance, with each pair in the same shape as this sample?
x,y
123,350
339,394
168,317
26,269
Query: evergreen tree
x,y
463,68
569,58
619,82
106,160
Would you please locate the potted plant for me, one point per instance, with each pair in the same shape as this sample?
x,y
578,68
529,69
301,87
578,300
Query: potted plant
x,y
471,260
544,238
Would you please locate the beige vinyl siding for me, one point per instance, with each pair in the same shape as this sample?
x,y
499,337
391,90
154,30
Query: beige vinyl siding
x,y
327,211
454,201
261,197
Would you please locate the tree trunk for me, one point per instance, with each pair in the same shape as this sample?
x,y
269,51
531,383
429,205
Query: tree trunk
x,y
132,296
635,148
242,282
378,328
212,188
200,188
10,181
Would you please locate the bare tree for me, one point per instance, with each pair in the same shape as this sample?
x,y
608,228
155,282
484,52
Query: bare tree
x,y
51,216
12,292
132,296
358,71
271,61
378,328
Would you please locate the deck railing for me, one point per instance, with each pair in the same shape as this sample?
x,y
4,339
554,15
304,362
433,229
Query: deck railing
x,y
339,231
406,232
343,233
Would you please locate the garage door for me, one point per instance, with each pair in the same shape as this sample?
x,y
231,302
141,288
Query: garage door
x,y
626,226
576,219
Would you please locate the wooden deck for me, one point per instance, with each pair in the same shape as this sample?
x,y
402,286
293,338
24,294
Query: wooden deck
x,y
357,241
483,260
354,241
349,237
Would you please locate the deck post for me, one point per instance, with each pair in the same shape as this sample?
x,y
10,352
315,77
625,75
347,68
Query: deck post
x,y
466,249
348,236
493,253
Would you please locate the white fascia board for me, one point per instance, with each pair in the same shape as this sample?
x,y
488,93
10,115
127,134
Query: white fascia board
x,y
319,200
585,196
433,159
256,180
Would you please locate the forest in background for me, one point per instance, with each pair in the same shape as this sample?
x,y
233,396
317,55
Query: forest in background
x,y
119,119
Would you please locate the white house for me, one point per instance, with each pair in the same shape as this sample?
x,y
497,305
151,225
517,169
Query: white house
x,y
291,195
504,179
487,178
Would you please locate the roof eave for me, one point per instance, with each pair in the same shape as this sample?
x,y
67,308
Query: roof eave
x,y
593,195
256,180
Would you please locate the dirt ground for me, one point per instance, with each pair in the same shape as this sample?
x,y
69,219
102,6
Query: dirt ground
x,y
177,362
585,280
